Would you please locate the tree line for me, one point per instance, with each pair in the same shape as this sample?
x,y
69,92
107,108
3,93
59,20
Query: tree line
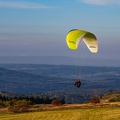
x,y
32,99
19,104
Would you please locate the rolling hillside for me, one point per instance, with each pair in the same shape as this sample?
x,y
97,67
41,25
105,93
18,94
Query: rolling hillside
x,y
58,80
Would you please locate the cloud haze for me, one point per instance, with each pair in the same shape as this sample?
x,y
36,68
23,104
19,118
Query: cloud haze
x,y
102,2
25,5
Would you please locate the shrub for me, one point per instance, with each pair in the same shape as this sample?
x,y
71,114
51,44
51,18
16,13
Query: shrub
x,y
116,99
1,104
95,100
20,106
56,102
112,100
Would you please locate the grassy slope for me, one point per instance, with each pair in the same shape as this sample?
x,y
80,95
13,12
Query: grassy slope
x,y
106,113
102,111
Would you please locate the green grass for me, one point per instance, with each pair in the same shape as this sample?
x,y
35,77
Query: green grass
x,y
110,113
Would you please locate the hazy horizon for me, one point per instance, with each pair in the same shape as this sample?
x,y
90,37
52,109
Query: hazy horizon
x,y
58,60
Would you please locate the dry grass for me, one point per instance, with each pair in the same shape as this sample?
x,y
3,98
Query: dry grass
x,y
68,112
73,114
50,107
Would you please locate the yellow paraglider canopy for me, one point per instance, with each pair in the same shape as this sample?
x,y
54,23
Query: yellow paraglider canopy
x,y
74,37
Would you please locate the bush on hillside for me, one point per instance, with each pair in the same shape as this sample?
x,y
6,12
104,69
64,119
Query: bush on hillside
x,y
56,102
95,100
19,106
116,99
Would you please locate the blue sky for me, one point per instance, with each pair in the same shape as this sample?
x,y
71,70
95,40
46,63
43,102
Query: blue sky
x,y
39,27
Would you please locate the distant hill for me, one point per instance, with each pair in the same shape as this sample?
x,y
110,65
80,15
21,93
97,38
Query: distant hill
x,y
58,80
14,81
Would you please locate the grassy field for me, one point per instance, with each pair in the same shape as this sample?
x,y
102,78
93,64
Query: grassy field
x,y
105,113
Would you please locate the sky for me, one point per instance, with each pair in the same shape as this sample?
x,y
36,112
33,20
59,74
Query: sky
x,y
39,28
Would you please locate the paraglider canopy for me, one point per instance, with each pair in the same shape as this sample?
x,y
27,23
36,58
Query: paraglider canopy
x,y
74,37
